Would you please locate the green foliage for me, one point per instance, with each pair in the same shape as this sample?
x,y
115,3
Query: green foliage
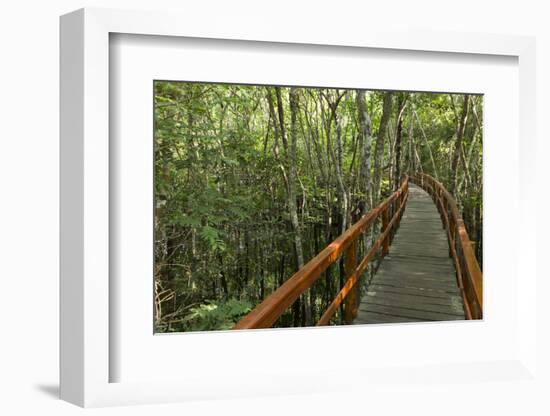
x,y
223,233
216,315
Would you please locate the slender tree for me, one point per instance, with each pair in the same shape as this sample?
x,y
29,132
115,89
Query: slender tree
x,y
380,141
398,137
252,182
458,143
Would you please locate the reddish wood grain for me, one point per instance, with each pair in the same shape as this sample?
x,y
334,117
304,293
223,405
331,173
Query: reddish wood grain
x,y
267,312
469,275
352,299
354,278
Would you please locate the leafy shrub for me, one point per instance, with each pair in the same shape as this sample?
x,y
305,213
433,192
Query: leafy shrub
x,y
216,315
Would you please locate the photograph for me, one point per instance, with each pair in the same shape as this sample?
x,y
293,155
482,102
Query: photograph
x,y
246,208
293,206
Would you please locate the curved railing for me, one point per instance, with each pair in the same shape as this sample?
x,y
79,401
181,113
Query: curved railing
x,y
468,272
391,211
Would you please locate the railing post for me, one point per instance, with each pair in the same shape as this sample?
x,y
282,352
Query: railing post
x,y
452,234
351,304
385,222
402,200
443,207
392,211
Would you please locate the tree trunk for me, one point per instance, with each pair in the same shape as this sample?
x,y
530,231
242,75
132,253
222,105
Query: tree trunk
x,y
398,137
434,166
292,178
458,144
343,197
379,150
365,147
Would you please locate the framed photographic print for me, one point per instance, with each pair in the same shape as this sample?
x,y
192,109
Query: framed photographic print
x,y
236,208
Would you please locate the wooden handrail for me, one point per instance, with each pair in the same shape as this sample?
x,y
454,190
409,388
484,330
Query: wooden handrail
x,y
356,274
267,312
468,272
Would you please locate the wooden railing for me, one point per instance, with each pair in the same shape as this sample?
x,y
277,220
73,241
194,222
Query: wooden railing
x,y
468,272
390,211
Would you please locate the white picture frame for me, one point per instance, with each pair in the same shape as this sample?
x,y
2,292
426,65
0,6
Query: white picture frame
x,y
85,220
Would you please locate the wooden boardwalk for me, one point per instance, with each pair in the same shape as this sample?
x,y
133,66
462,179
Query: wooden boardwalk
x,y
416,281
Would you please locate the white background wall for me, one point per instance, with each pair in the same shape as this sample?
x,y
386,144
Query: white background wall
x,y
29,184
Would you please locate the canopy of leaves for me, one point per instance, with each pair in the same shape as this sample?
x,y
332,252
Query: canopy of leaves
x,y
224,238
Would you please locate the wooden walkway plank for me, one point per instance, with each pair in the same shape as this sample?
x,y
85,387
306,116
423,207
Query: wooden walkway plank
x,y
400,298
412,313
410,291
416,281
